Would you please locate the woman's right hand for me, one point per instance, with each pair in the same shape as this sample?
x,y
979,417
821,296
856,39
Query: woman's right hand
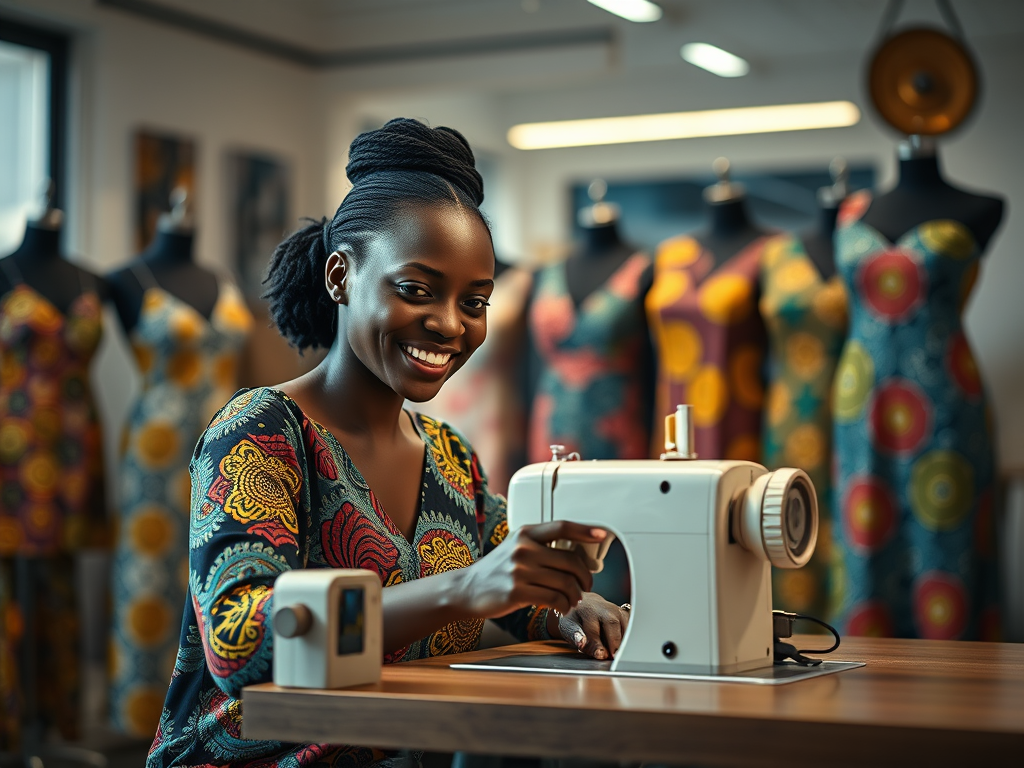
x,y
523,571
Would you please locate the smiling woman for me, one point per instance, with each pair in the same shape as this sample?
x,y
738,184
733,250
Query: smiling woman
x,y
330,471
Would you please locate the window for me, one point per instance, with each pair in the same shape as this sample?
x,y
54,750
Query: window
x,y
33,78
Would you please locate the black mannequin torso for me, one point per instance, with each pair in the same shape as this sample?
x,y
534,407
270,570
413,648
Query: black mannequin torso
x,y
39,264
922,194
729,231
601,253
169,259
818,242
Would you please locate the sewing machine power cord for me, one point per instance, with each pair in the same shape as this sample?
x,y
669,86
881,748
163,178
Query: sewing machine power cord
x,y
782,625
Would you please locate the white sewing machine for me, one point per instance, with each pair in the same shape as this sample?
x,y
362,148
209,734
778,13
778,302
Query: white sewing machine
x,y
700,537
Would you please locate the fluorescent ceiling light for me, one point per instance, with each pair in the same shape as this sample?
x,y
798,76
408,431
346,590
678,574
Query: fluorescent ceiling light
x,y
634,10
714,59
684,125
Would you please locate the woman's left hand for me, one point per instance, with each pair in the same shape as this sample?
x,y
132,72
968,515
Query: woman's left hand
x,y
595,627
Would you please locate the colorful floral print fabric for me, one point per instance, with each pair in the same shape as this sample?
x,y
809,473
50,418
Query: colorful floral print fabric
x,y
589,397
52,499
806,320
188,367
271,491
51,471
710,340
913,513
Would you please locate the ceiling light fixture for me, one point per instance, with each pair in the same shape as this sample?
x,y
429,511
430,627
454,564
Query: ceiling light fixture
x,y
633,10
684,125
714,59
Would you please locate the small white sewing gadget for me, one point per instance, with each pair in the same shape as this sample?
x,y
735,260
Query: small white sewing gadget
x,y
328,628
700,538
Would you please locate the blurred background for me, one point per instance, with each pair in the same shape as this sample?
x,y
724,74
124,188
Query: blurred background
x,y
251,105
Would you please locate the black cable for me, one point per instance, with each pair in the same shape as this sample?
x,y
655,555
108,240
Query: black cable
x,y
829,627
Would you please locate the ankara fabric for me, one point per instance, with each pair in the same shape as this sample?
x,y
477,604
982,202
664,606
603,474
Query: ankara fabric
x,y
589,396
806,319
710,341
913,441
52,499
188,365
271,491
51,470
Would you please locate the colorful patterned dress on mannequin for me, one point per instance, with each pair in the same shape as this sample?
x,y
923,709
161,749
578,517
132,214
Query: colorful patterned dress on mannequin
x,y
913,439
51,491
590,394
482,398
710,341
188,366
806,320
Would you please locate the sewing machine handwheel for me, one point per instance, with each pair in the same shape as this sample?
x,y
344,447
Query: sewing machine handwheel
x,y
778,518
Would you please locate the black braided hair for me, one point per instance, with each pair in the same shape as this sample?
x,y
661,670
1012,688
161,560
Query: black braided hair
x,y
402,165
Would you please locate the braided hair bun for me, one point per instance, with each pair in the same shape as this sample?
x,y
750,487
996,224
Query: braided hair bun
x,y
403,164
409,145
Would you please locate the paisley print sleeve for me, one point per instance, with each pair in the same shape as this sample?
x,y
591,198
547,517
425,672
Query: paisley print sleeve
x,y
527,623
248,495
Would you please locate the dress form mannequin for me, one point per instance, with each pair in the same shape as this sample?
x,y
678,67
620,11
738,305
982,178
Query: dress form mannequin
x,y
52,501
915,465
710,339
186,328
39,263
601,250
923,194
818,242
730,229
168,259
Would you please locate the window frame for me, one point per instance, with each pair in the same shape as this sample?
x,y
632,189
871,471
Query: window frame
x,y
56,45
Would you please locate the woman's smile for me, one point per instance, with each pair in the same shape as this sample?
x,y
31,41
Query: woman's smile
x,y
430,362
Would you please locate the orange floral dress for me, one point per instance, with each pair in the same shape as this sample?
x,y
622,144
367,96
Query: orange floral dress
x,y
188,366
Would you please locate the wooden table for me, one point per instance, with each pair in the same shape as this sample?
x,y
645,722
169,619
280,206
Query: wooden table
x,y
916,703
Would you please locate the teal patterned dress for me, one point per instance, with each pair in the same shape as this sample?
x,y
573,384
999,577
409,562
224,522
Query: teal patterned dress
x,y
913,440
272,490
188,365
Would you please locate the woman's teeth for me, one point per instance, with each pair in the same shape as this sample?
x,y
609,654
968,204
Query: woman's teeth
x,y
430,358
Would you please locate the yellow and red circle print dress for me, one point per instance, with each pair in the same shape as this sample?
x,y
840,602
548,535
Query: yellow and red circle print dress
x,y
710,341
914,452
272,491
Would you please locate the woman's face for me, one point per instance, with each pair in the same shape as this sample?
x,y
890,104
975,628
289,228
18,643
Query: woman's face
x,y
417,298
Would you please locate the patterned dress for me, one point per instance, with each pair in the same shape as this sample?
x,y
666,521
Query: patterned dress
x,y
710,340
273,490
51,488
589,397
188,367
806,320
913,441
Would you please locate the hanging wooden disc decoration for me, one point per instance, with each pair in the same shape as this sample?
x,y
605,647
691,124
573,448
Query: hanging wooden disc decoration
x,y
923,81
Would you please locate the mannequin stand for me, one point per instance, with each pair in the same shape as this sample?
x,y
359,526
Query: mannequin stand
x,y
35,752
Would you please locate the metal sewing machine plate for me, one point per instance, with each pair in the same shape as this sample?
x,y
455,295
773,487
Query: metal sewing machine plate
x,y
567,664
